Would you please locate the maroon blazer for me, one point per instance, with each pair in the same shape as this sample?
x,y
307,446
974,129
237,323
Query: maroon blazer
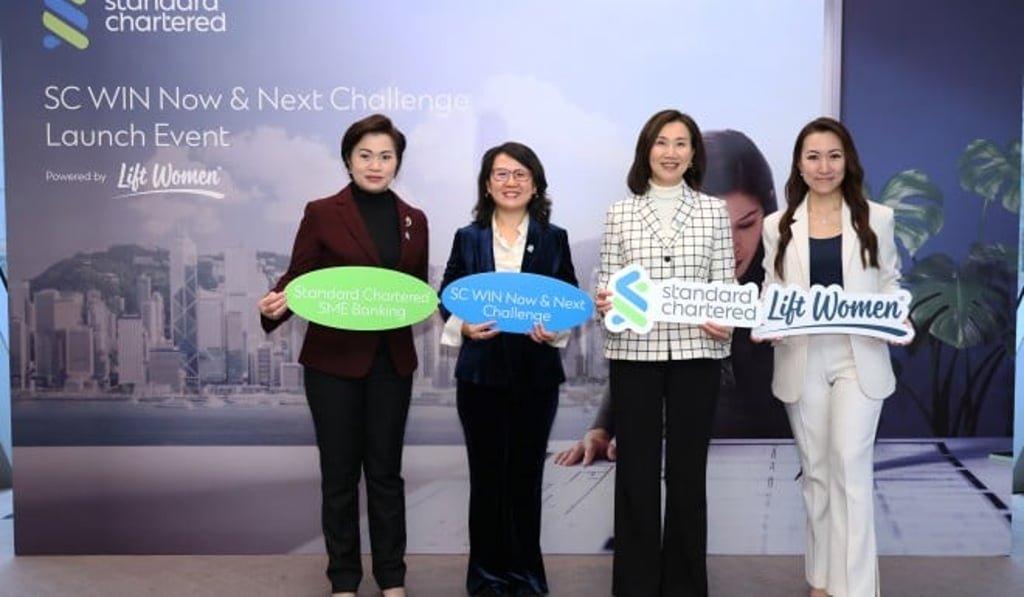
x,y
332,233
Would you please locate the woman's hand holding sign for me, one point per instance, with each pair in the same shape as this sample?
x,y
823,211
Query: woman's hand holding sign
x,y
721,333
479,331
603,302
540,335
273,305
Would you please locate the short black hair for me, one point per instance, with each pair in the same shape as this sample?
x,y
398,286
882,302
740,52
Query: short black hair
x,y
372,124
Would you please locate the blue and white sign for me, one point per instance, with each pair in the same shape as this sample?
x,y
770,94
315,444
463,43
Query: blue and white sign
x,y
515,301
794,311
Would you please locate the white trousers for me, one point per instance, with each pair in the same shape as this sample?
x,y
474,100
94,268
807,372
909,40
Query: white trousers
x,y
834,426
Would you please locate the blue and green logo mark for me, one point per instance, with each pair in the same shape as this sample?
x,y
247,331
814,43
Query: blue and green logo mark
x,y
630,287
65,23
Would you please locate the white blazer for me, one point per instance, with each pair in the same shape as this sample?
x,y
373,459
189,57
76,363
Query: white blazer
x,y
871,355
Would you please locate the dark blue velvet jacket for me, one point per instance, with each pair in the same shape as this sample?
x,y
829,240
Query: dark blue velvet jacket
x,y
507,357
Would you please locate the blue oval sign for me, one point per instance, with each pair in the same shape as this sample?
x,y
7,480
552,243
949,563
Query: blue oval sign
x,y
515,301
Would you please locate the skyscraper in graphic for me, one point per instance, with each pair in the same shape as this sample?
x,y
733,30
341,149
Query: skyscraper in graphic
x,y
263,374
210,337
152,311
18,338
131,351
236,360
184,319
101,320
143,290
77,357
165,369
56,312
44,335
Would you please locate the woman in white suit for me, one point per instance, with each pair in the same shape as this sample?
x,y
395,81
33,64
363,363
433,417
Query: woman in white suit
x,y
833,385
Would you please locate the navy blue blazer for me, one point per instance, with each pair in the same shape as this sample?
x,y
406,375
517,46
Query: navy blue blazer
x,y
508,358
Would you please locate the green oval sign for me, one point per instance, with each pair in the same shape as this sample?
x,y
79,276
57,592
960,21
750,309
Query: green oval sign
x,y
361,298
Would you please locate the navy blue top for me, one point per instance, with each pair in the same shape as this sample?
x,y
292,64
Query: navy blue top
x,y
827,260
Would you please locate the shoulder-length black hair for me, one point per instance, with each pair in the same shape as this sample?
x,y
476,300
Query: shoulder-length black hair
x,y
539,207
639,178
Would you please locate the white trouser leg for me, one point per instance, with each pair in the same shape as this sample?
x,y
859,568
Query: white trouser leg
x,y
834,425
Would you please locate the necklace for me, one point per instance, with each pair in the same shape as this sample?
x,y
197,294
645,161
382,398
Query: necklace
x,y
828,218
825,215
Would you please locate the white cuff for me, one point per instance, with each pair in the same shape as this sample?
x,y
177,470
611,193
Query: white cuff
x,y
451,334
561,339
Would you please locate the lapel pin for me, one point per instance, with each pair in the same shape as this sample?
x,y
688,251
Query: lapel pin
x,y
408,223
529,248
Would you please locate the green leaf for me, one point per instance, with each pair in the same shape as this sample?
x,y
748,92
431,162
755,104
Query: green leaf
x,y
1001,257
957,303
987,171
918,204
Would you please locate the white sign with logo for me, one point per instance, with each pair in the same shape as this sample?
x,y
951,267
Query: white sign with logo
x,y
794,311
638,302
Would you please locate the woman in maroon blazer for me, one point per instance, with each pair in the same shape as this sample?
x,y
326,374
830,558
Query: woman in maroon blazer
x,y
359,384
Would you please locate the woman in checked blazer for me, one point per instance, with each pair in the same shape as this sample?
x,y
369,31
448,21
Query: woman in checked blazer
x,y
668,377
833,385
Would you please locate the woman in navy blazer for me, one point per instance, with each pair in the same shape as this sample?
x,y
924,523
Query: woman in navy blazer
x,y
358,383
507,391
833,386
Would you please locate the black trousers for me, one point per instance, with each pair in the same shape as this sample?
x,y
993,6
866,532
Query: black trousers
x,y
360,428
651,560
506,433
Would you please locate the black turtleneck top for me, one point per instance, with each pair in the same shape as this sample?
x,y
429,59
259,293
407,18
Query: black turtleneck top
x,y
381,218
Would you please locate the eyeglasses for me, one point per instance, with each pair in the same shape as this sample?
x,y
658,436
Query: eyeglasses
x,y
501,175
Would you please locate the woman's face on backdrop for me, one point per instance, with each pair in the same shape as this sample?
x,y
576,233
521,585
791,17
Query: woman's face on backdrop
x,y
510,184
671,154
823,162
747,216
373,162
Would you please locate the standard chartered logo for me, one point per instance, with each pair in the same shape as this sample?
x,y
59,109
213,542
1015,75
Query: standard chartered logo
x,y
65,23
630,304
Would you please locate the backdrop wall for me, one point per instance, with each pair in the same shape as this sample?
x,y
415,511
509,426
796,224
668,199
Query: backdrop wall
x,y
151,415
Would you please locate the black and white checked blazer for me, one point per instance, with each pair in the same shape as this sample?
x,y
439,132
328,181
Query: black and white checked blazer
x,y
699,250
